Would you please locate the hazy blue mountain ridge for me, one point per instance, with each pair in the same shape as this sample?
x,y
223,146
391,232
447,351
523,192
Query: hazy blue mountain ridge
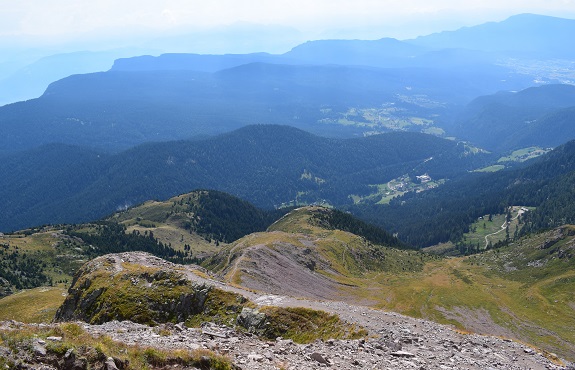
x,y
30,81
522,35
539,116
119,109
192,62
314,86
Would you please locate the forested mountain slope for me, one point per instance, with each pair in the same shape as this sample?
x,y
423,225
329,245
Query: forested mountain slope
x,y
116,110
538,116
267,165
445,214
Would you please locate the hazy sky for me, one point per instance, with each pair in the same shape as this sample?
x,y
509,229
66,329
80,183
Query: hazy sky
x,y
76,20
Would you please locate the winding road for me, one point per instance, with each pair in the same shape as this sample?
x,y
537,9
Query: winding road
x,y
504,226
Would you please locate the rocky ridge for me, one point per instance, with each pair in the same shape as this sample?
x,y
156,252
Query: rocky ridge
x,y
394,341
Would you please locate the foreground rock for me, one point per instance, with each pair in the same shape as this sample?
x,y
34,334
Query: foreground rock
x,y
132,286
393,341
401,347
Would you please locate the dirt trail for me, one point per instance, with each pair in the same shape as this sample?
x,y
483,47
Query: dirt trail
x,y
503,226
395,341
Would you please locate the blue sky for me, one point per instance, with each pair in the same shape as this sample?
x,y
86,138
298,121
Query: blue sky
x,y
59,21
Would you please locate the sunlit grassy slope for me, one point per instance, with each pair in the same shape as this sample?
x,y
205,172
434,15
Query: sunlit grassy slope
x,y
339,255
203,220
524,291
32,306
58,255
169,221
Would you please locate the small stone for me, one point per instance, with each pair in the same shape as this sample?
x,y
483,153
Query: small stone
x,y
251,319
552,356
255,357
393,346
69,353
402,354
110,364
54,339
39,349
319,358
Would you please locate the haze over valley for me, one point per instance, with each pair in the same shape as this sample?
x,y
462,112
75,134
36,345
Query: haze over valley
x,y
238,193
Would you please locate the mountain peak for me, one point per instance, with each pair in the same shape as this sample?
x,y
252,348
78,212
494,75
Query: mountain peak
x,y
531,34
382,52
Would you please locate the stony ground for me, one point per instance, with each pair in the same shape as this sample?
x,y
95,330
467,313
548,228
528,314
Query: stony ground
x,y
394,342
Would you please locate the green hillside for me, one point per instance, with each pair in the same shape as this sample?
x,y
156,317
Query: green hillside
x,y
522,291
537,116
200,222
184,229
447,213
302,254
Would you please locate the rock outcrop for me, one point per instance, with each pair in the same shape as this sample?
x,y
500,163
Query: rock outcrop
x,y
147,290
171,293
406,345
5,288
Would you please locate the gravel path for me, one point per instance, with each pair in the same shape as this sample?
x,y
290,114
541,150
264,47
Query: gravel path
x,y
395,341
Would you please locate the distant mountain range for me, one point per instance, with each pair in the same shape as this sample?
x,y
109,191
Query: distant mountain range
x,y
540,116
332,88
523,35
119,109
31,81
386,84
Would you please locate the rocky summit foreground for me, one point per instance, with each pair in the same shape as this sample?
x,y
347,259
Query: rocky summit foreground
x,y
395,342
390,340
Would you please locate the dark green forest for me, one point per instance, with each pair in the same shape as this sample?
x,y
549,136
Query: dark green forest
x,y
333,219
444,214
218,216
110,237
266,165
539,116
20,270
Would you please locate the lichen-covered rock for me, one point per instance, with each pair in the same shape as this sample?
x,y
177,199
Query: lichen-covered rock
x,y
252,320
5,288
114,288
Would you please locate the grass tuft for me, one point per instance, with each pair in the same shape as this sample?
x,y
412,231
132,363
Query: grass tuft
x,y
304,325
95,350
